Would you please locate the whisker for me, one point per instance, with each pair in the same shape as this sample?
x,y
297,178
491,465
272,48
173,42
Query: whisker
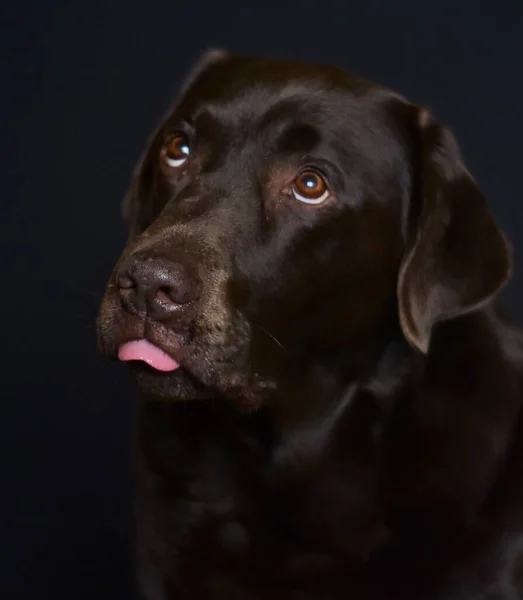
x,y
268,333
272,337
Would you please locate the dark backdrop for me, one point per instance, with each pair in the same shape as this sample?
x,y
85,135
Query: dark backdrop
x,y
85,82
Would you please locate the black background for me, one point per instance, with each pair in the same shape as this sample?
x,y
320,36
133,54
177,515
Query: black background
x,y
85,82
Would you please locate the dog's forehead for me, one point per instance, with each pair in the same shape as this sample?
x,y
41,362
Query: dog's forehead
x,y
250,89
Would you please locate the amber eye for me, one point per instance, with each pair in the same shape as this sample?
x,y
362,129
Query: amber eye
x,y
176,151
310,187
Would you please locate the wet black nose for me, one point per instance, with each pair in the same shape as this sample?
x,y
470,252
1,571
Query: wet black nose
x,y
155,286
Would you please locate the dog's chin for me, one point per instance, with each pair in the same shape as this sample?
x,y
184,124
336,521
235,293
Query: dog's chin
x,y
178,385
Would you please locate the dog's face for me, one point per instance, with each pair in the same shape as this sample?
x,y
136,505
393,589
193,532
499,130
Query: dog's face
x,y
285,216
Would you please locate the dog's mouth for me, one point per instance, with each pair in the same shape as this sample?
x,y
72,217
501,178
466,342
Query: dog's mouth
x,y
159,374
179,363
189,377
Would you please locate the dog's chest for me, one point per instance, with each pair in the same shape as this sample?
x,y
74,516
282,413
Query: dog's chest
x,y
222,506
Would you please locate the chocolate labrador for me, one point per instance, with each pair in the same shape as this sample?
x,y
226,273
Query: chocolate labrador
x,y
330,396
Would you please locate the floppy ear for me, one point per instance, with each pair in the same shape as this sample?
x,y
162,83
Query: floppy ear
x,y
134,212
457,258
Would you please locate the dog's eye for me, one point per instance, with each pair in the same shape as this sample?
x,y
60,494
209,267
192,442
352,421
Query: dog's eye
x,y
310,187
176,151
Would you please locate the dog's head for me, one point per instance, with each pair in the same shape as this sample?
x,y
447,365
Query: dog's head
x,y
285,216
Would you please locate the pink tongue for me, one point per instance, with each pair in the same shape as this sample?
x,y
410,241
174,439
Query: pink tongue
x,y
152,355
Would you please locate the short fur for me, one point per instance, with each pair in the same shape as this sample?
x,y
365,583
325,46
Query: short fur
x,y
346,421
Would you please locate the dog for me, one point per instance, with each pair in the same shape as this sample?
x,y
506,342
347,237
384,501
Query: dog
x,y
330,392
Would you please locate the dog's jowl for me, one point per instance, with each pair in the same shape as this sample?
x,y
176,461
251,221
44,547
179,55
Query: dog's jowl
x,y
329,393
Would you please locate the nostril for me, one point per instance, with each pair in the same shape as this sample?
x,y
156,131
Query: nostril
x,y
167,294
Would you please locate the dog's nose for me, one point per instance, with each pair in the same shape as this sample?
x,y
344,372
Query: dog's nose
x,y
155,286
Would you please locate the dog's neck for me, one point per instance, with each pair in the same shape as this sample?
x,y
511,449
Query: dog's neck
x,y
310,406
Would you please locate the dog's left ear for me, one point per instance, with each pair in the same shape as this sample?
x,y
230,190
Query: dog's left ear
x,y
457,258
208,58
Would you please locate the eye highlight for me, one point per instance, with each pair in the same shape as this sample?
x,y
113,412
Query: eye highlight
x,y
310,187
176,151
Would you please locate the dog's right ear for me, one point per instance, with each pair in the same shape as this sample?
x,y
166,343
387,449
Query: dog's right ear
x,y
137,206
458,258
